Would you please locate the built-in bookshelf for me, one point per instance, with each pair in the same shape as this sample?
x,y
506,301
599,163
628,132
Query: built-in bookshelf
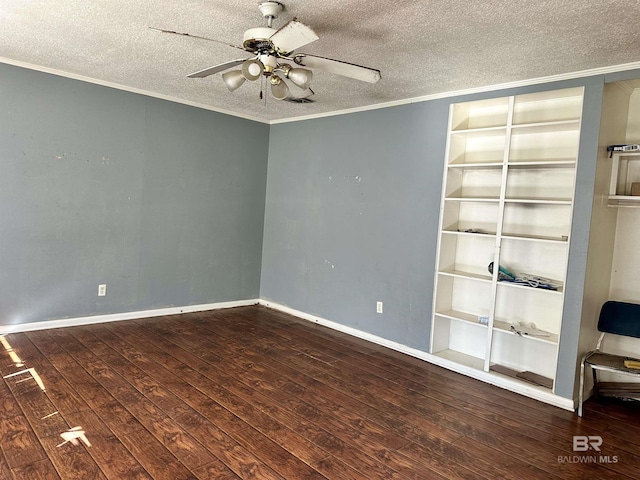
x,y
508,193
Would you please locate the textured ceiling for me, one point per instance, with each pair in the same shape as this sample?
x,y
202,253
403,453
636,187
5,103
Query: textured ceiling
x,y
421,47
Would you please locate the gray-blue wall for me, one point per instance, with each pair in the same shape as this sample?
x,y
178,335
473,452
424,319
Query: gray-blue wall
x,y
352,218
162,202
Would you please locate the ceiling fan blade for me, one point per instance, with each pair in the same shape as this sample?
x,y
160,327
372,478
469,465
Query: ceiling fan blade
x,y
357,72
292,35
198,37
217,68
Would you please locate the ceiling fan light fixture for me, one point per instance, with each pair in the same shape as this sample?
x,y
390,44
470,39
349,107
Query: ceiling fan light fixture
x,y
279,89
233,79
289,80
301,77
252,69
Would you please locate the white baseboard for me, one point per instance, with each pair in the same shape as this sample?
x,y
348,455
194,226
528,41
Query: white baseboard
x,y
531,391
497,380
71,322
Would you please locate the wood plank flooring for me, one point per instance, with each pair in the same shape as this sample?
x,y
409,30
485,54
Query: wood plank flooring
x,y
252,393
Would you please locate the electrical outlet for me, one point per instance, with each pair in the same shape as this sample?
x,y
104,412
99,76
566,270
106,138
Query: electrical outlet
x,y
102,290
379,307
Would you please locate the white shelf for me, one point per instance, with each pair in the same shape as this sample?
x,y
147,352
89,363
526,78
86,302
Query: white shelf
x,y
460,317
473,199
505,327
533,144
534,238
489,113
625,170
538,220
556,105
488,199
544,291
476,233
623,201
541,201
477,166
523,354
546,127
514,376
540,184
482,146
461,359
550,163
481,131
459,273
508,188
526,305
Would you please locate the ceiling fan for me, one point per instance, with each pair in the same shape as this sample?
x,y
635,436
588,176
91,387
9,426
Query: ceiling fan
x,y
274,59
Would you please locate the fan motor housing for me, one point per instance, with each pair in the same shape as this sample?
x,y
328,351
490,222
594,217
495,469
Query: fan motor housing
x,y
257,39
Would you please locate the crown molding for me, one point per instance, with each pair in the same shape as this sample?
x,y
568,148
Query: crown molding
x,y
469,91
424,98
125,88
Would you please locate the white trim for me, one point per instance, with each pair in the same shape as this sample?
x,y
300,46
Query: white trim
x,y
516,386
425,98
469,91
126,88
160,312
625,87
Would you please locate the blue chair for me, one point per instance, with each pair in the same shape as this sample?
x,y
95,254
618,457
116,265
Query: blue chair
x,y
618,318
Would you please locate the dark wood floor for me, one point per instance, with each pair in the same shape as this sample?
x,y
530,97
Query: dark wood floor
x,y
255,394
